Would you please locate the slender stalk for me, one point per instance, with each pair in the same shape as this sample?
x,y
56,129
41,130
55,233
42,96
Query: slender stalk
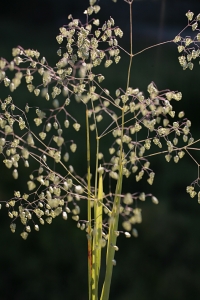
x,y
153,46
114,218
97,153
97,236
97,231
131,45
112,239
89,211
113,225
95,242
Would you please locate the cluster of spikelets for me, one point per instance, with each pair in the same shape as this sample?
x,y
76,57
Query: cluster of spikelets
x,y
189,46
73,81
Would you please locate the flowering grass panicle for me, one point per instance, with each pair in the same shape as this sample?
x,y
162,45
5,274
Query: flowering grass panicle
x,y
139,125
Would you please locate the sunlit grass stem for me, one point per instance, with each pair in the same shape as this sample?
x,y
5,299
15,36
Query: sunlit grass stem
x,y
89,218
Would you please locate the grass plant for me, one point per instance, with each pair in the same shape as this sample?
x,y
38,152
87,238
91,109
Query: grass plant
x,y
76,114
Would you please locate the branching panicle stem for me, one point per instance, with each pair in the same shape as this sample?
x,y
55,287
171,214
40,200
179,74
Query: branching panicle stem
x,y
125,125
131,45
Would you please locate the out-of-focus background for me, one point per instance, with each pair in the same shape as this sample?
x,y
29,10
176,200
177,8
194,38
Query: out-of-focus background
x,y
164,261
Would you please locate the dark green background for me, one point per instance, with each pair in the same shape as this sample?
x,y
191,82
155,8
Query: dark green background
x,y
163,263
